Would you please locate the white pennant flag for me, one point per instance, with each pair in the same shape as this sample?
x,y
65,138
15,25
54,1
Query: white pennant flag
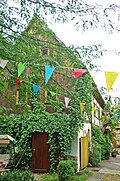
x,y
67,100
3,63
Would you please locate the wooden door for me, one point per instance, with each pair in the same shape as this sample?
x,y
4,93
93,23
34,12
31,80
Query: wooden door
x,y
40,153
83,152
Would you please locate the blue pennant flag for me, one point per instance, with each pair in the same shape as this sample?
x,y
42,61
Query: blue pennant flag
x,y
48,72
36,88
116,115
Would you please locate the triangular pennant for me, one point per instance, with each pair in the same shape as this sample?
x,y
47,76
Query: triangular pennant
x,y
82,105
78,72
67,100
36,88
110,79
48,72
18,81
3,63
106,112
53,93
93,110
116,115
21,68
1,73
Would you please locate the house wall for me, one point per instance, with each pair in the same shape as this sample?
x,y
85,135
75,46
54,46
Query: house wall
x,y
96,113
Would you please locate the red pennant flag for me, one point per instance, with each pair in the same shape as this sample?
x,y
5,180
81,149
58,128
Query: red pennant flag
x,y
78,72
18,81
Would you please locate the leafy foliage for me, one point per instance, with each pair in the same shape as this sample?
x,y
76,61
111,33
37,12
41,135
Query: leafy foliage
x,y
111,119
63,124
66,169
17,175
104,141
61,129
95,154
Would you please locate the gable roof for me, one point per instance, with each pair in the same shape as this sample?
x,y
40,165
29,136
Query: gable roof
x,y
98,96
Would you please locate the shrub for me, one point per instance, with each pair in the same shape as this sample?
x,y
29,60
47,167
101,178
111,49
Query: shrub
x,y
103,140
17,176
95,154
66,169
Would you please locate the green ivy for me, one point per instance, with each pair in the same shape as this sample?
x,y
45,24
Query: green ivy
x,y
104,140
62,125
61,129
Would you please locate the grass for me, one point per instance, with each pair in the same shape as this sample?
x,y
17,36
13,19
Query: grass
x,y
81,176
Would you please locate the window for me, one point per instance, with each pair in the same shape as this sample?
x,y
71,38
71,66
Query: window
x,y
45,51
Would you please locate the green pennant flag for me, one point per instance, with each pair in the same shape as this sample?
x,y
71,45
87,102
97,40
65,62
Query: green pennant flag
x,y
52,93
21,68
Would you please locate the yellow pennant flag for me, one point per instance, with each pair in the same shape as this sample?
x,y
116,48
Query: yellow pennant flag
x,y
93,110
1,73
110,79
82,105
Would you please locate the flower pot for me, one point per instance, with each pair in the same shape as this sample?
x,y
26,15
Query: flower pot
x,y
114,154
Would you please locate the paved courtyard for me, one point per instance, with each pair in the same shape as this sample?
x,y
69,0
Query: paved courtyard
x,y
108,170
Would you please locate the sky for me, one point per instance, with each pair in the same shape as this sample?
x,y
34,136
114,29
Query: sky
x,y
111,42
69,35
109,62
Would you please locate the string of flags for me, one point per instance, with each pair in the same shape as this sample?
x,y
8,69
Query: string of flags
x,y
109,76
110,79
48,73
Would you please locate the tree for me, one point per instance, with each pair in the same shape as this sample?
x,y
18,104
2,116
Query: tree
x,y
111,116
89,13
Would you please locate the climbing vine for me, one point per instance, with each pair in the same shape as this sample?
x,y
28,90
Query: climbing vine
x,y
30,114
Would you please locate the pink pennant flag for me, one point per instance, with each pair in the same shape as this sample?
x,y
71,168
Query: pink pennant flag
x,y
78,72
67,100
106,112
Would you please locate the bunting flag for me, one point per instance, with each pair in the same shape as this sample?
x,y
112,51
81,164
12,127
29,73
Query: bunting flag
x,y
3,63
106,112
18,81
78,72
48,72
67,100
93,110
82,105
116,115
1,73
52,93
36,88
110,79
21,68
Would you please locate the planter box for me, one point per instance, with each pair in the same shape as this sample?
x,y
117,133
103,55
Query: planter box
x,y
114,154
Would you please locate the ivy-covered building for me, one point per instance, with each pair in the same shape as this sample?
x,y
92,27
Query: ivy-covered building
x,y
41,100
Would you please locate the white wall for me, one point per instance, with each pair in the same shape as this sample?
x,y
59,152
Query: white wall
x,y
75,145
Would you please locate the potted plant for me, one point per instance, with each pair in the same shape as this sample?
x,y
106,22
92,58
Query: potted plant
x,y
114,152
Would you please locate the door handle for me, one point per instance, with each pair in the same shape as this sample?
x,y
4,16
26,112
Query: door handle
x,y
34,149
